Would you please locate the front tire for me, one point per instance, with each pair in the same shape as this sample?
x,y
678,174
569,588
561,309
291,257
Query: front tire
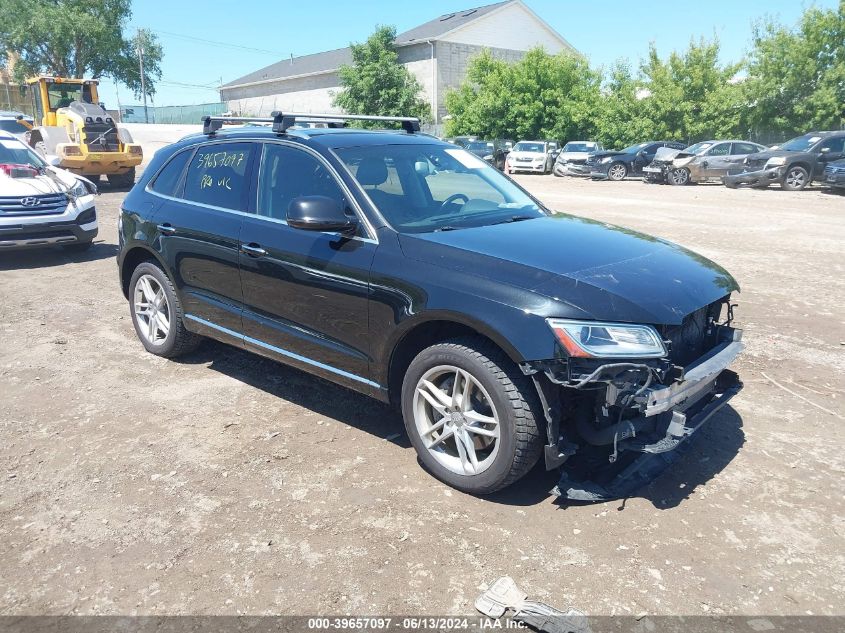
x,y
795,179
157,313
471,415
617,172
679,177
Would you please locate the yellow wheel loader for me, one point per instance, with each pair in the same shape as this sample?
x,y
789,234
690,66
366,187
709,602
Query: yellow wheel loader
x,y
71,124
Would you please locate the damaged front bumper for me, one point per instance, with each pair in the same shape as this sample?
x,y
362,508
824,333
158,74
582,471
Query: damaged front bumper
x,y
759,178
630,421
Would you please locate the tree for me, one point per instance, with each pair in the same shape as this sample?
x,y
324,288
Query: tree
x,y
620,120
76,38
691,96
540,96
377,84
796,77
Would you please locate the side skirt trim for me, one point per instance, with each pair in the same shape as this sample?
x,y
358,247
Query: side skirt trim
x,y
283,352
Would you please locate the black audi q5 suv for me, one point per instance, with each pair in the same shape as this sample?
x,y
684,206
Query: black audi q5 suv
x,y
412,271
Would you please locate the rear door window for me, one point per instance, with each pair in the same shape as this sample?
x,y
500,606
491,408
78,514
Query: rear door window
x,y
745,148
217,175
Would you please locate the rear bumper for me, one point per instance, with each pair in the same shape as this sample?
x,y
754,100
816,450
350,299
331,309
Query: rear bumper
x,y
97,163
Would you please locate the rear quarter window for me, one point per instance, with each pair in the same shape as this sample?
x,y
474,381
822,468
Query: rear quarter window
x,y
217,175
169,179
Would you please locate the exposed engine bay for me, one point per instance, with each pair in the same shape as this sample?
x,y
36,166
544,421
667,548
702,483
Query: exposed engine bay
x,y
620,423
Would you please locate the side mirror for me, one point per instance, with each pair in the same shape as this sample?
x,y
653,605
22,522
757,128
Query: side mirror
x,y
825,150
423,168
320,213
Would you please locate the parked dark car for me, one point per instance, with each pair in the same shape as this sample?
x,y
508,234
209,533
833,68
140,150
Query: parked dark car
x,y
707,160
411,271
793,165
492,152
618,165
834,174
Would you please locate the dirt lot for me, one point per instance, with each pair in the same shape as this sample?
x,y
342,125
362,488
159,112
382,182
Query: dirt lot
x,y
227,484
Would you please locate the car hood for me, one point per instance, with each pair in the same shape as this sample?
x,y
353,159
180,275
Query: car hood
x,y
605,153
52,181
583,267
668,154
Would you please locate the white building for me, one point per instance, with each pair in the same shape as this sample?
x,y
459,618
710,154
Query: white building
x,y
436,52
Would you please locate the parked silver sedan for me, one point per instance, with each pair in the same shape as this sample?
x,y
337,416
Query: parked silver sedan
x,y
707,160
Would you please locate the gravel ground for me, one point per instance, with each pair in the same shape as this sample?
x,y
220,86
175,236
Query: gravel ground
x,y
225,483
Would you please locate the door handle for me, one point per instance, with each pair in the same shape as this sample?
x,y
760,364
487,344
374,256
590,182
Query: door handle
x,y
253,250
166,229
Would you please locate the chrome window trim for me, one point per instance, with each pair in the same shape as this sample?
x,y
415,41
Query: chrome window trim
x,y
283,352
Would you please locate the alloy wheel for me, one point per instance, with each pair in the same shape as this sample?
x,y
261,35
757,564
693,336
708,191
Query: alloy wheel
x,y
152,310
456,420
795,178
617,171
679,176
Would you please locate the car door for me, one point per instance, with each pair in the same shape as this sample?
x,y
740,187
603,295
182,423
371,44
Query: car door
x,y
644,157
736,160
716,161
305,292
830,149
198,228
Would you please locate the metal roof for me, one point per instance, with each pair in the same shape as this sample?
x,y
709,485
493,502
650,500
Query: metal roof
x,y
332,60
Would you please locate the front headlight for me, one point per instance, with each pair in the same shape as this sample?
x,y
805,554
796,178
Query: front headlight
x,y
79,189
592,339
776,161
606,160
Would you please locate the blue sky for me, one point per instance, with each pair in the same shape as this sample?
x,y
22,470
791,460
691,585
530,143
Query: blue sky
x,y
602,31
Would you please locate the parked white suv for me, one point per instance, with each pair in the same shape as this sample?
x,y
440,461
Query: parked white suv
x,y
10,121
42,205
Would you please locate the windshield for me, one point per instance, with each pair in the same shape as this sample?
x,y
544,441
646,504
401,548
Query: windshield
x,y
801,144
698,147
579,147
425,188
633,149
63,94
522,146
15,127
13,151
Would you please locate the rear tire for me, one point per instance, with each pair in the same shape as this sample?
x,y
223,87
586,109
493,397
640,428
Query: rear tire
x,y
795,179
494,413
617,172
158,323
124,180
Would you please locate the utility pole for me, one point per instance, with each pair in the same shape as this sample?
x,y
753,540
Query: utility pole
x,y
139,40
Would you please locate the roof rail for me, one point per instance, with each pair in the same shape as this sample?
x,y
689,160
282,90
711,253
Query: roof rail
x,y
282,121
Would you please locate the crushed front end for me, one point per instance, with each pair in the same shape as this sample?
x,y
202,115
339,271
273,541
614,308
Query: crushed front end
x,y
620,420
